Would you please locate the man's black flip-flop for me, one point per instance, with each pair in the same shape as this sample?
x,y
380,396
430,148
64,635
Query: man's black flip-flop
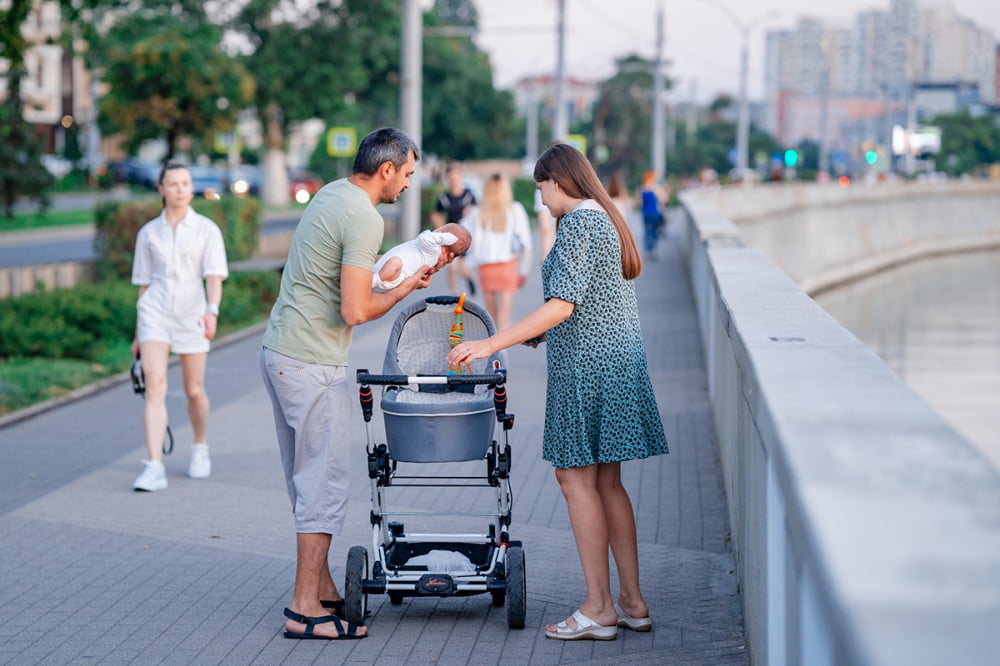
x,y
351,632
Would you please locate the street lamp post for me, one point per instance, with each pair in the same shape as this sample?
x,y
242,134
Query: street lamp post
x,y
743,123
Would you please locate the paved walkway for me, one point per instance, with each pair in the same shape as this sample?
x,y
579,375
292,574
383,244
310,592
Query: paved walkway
x,y
94,573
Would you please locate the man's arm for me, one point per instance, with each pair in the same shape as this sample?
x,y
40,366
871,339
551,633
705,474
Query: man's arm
x,y
358,303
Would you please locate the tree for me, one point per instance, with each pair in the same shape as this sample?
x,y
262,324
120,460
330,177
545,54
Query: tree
x,y
623,119
314,60
464,116
169,78
21,170
967,142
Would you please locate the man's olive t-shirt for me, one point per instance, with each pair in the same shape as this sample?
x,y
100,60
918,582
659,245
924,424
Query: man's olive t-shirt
x,y
340,226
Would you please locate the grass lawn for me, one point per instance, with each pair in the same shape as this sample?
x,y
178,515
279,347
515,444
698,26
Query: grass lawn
x,y
50,218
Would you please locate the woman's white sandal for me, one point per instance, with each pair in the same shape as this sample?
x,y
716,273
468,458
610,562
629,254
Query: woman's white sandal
x,y
585,628
633,623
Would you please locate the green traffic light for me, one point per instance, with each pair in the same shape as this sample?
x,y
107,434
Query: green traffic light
x,y
791,158
871,157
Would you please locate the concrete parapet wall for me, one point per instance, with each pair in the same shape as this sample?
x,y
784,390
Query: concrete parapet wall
x,y
24,279
824,235
867,531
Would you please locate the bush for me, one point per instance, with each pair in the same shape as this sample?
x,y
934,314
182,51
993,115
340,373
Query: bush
x,y
53,342
239,220
84,322
117,224
67,323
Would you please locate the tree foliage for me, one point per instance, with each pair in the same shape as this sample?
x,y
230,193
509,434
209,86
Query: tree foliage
x,y
464,116
169,78
623,118
967,141
21,170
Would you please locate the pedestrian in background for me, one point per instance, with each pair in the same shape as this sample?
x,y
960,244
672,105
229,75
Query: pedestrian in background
x,y
454,204
619,195
326,290
651,201
599,407
501,247
179,266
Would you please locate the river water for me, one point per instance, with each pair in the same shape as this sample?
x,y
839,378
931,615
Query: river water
x,y
936,323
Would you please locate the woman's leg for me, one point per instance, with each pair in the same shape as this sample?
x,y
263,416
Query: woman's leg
x,y
504,306
490,301
587,516
155,356
193,367
621,535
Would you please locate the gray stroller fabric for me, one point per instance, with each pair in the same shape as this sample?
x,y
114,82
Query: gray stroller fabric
x,y
431,425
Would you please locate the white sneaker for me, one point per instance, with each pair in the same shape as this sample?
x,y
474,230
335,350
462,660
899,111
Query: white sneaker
x,y
201,464
153,477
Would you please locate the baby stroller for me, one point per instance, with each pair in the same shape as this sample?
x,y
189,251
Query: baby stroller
x,y
434,414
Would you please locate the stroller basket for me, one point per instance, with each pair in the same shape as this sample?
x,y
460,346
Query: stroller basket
x,y
436,422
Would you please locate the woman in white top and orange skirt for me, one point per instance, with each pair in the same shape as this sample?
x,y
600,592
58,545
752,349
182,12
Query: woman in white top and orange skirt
x,y
179,266
501,247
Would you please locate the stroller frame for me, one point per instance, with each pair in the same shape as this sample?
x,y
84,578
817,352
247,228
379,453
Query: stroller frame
x,y
497,562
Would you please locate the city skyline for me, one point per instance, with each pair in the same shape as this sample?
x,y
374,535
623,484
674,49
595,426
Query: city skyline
x,y
702,41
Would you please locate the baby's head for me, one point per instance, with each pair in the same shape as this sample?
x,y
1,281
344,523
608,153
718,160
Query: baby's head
x,y
459,247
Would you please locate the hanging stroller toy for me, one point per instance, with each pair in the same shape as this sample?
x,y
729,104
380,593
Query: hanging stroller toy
x,y
456,334
436,414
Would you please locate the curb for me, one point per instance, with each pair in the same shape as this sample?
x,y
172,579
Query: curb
x,y
108,382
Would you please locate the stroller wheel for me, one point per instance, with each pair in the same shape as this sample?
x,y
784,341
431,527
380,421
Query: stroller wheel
x,y
499,596
516,602
355,599
395,598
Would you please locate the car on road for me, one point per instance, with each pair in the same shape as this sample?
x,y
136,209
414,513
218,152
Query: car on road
x,y
207,179
303,185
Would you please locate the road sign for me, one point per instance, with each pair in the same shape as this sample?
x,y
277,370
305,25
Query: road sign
x,y
341,141
578,141
228,141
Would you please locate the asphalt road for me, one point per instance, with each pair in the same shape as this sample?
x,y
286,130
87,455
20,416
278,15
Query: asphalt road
x,y
77,243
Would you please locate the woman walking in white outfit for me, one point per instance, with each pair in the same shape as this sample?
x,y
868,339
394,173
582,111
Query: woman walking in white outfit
x,y
180,258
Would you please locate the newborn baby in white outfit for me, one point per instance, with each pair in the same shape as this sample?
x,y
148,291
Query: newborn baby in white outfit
x,y
431,248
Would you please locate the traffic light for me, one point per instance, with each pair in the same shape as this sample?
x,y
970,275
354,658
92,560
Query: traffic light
x,y
791,157
871,157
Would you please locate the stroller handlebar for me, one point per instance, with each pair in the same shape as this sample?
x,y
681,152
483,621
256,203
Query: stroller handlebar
x,y
498,378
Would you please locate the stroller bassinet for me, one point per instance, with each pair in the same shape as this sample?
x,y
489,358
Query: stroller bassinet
x,y
435,422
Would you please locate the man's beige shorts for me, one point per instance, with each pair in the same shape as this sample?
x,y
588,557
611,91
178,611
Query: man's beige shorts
x,y
312,410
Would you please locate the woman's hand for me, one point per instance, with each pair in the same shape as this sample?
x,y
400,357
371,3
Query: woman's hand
x,y
135,347
535,341
469,351
209,322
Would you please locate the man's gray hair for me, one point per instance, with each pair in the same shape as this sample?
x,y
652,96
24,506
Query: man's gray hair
x,y
387,144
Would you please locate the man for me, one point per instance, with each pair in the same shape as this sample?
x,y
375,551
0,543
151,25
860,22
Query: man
x,y
326,290
451,207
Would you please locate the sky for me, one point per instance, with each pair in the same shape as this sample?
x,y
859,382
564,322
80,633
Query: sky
x,y
702,41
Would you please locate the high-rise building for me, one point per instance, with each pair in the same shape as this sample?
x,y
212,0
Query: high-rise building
x,y
847,72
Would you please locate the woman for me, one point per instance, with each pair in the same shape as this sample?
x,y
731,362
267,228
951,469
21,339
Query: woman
x,y
174,254
619,195
501,247
600,409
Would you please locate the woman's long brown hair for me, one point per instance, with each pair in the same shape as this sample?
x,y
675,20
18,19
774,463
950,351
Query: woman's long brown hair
x,y
568,167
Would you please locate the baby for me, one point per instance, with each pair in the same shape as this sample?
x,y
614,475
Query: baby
x,y
431,248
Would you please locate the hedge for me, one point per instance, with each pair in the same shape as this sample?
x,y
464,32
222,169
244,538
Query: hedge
x,y
85,321
118,223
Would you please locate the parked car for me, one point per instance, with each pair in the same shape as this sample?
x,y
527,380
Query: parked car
x,y
245,179
303,185
210,180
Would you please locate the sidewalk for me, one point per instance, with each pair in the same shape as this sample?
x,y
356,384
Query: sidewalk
x,y
199,573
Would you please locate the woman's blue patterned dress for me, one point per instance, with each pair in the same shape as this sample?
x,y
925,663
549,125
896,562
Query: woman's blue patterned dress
x,y
600,406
